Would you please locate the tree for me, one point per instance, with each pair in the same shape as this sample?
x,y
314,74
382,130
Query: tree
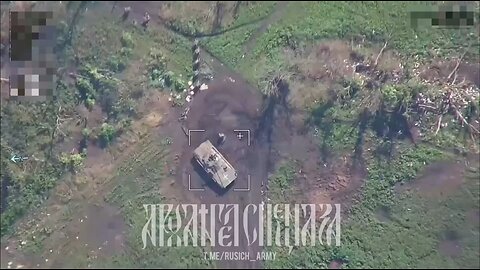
x,y
72,161
107,133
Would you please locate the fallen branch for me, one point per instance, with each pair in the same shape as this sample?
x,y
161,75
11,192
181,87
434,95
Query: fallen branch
x,y
455,78
427,106
458,63
380,53
439,122
74,75
58,123
464,121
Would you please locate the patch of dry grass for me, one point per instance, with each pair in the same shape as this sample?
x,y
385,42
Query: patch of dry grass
x,y
307,94
321,69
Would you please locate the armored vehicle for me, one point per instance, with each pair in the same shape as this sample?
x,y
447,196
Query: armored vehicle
x,y
215,164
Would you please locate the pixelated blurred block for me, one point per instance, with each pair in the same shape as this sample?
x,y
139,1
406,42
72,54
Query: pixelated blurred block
x,y
34,92
31,81
34,78
447,15
17,81
27,30
14,92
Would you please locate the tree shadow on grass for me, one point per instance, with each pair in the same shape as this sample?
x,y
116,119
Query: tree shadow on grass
x,y
317,118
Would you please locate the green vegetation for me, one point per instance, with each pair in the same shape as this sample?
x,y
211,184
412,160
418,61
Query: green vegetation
x,y
281,182
138,181
127,40
72,161
26,130
107,133
345,19
383,175
395,96
387,230
114,64
26,191
89,45
352,117
338,20
229,46
160,77
86,132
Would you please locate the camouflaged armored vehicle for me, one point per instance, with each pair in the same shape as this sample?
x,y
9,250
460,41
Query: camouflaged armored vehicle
x,y
215,164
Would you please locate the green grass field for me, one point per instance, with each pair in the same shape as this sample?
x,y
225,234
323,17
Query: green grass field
x,y
408,229
138,181
116,61
306,22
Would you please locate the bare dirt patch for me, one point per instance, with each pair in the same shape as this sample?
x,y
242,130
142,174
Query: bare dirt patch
x,y
327,61
228,105
438,179
450,248
97,231
441,69
335,264
70,129
321,68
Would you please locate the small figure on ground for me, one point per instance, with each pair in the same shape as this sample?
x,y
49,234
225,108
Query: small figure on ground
x,y
221,138
114,6
126,12
146,20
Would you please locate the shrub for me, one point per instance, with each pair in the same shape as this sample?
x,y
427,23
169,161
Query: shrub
x,y
72,161
127,40
90,102
86,132
84,87
117,64
107,133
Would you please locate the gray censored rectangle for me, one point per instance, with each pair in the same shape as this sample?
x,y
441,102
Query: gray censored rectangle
x,y
32,61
